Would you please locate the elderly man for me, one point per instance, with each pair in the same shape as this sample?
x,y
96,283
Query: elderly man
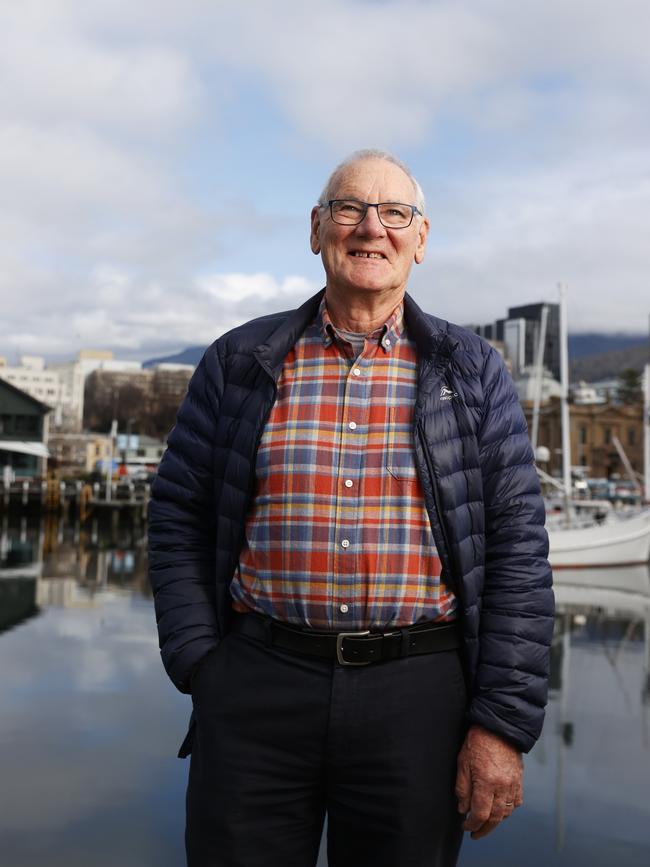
x,y
349,564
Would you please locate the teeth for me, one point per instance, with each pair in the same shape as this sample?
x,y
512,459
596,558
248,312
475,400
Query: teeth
x,y
369,255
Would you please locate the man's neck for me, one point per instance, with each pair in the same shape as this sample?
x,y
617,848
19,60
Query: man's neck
x,y
361,314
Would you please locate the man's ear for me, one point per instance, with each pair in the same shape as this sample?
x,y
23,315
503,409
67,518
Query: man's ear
x,y
423,232
314,240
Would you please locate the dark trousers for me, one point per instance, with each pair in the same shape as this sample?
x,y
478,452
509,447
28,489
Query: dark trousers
x,y
281,739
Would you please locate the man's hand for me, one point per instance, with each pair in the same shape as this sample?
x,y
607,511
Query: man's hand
x,y
489,781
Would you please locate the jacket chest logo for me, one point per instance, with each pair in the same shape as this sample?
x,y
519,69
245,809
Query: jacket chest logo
x,y
447,393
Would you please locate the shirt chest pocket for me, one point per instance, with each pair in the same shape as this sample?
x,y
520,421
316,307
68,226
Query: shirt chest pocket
x,y
400,455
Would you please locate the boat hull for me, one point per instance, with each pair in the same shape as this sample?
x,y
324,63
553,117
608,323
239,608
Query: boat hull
x,y
618,542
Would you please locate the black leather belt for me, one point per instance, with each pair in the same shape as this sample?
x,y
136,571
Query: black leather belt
x,y
350,648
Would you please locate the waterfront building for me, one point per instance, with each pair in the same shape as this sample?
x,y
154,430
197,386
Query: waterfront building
x,y
586,393
526,385
520,333
170,381
532,315
593,429
23,434
31,377
74,375
140,454
145,398
79,454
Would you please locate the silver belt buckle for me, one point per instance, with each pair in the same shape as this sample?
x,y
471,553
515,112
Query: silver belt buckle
x,y
339,646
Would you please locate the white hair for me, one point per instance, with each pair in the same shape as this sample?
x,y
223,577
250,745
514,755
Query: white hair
x,y
370,154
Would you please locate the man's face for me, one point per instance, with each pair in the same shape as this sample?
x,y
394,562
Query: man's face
x,y
344,249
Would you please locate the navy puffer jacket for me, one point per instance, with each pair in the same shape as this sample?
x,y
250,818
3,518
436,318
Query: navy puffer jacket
x,y
481,491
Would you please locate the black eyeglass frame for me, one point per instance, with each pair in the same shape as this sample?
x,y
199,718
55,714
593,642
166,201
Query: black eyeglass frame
x,y
365,205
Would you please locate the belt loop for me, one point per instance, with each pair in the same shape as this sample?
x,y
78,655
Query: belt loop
x,y
268,632
404,649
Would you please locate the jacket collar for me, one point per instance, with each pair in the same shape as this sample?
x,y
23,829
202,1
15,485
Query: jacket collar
x,y
430,334
278,344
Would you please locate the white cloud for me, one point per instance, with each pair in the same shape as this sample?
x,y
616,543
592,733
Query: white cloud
x,y
514,238
69,173
526,122
238,287
394,72
143,318
55,70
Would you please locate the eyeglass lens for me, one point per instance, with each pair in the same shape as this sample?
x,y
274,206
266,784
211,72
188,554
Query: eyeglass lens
x,y
393,215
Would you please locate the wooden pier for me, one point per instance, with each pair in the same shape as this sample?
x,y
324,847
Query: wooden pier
x,y
122,497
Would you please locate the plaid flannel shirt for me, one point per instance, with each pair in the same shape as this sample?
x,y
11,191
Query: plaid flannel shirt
x,y
338,537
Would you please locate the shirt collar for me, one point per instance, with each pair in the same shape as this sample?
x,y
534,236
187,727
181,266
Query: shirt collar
x,y
386,335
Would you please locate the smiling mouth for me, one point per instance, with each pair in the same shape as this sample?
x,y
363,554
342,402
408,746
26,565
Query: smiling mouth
x,y
361,255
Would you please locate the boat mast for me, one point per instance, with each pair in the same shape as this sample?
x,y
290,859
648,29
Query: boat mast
x,y
646,434
539,375
564,401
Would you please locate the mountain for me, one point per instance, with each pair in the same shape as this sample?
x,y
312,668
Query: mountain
x,y
605,365
594,343
592,356
191,355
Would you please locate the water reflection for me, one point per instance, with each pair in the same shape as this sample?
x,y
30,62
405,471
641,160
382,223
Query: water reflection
x,y
50,563
90,724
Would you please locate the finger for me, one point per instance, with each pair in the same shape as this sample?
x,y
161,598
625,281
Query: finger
x,y
501,808
508,803
485,829
463,787
518,798
480,809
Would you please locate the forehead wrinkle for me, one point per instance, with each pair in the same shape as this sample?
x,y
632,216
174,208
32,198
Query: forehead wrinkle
x,y
385,176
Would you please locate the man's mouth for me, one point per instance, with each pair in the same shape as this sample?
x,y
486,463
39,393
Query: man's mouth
x,y
360,254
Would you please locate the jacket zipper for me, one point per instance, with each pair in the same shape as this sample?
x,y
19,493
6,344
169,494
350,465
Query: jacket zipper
x,y
261,428
448,557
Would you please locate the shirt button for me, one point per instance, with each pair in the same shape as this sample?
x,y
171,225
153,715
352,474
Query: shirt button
x,y
352,425
348,483
345,543
356,371
344,609
387,341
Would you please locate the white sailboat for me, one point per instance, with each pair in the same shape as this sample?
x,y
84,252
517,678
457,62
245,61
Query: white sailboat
x,y
619,540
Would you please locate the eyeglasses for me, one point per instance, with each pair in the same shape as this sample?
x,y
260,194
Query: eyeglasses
x,y
392,215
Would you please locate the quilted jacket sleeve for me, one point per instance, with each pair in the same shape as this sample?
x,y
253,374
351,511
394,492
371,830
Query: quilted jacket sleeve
x,y
516,621
181,528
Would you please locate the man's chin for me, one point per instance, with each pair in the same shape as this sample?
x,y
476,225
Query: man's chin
x,y
363,286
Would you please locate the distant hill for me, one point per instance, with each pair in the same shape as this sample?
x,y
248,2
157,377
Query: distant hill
x,y
608,364
594,343
592,356
191,355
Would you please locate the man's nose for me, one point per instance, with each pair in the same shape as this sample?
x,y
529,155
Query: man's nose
x,y
371,225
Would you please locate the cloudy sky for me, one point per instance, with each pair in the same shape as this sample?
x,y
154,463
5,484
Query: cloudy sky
x,y
158,160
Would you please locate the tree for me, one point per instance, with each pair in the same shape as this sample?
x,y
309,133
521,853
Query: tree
x,y
630,390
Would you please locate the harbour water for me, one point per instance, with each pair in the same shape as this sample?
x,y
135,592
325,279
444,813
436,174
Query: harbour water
x,y
90,725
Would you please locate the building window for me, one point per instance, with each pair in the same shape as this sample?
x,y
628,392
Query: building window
x,y
631,436
607,436
583,435
26,424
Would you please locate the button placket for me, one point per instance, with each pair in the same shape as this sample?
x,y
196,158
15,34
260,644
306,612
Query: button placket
x,y
354,435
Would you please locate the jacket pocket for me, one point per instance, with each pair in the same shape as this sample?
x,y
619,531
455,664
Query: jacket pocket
x,y
188,740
